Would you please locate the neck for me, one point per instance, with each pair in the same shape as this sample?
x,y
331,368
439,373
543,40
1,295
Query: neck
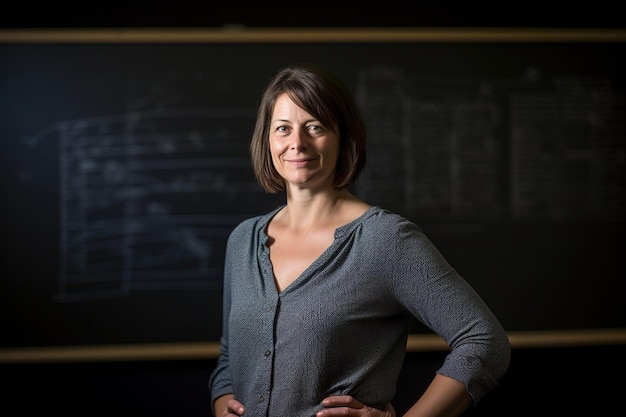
x,y
305,210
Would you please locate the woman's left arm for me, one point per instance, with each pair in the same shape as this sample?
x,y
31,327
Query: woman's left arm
x,y
426,284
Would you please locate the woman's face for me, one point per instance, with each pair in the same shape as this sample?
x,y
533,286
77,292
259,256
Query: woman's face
x,y
304,152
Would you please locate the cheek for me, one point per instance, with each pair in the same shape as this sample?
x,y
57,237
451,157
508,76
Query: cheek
x,y
275,146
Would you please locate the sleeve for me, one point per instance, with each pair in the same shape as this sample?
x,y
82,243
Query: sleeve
x,y
432,290
220,382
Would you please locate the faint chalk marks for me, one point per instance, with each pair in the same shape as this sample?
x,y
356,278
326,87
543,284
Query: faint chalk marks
x,y
148,198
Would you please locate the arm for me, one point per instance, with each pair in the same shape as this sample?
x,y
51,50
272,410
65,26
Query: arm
x,y
444,397
441,299
220,383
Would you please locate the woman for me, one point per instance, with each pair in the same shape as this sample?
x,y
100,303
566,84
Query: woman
x,y
319,293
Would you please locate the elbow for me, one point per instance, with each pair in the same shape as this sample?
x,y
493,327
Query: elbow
x,y
504,355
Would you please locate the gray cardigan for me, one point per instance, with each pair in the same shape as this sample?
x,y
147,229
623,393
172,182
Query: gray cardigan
x,y
342,326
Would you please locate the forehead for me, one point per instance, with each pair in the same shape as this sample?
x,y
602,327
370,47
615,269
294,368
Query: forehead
x,y
285,107
284,101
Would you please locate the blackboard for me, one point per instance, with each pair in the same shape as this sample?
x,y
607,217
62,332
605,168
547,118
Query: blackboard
x,y
125,166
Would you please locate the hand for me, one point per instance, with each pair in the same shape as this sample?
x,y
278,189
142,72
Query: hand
x,y
231,409
345,405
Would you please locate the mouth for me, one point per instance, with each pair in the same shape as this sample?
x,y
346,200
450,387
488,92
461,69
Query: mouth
x,y
300,162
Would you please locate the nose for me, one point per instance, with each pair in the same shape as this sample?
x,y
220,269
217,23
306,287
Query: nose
x,y
297,140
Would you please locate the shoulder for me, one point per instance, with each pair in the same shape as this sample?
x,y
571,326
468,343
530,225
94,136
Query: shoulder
x,y
400,237
385,223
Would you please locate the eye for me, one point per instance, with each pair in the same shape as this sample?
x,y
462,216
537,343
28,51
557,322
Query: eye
x,y
315,128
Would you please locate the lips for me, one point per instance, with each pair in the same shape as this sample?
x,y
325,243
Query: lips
x,y
300,162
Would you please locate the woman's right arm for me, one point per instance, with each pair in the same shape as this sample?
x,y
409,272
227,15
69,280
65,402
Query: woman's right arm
x,y
220,381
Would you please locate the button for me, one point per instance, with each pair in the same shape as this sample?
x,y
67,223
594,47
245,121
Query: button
x,y
267,353
261,398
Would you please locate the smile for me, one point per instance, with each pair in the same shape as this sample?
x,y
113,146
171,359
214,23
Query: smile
x,y
299,162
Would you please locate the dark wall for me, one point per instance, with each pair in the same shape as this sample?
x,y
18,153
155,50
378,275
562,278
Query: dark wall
x,y
188,13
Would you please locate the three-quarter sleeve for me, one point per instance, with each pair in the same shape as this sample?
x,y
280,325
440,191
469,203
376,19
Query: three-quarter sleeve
x,y
445,302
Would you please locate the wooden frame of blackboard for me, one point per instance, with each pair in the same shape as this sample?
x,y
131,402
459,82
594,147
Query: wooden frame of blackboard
x,y
226,35
235,34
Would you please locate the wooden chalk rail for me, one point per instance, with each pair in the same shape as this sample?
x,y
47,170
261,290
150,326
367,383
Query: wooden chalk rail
x,y
243,34
210,350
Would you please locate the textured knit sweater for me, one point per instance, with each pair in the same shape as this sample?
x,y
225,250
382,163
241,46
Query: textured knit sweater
x,y
341,327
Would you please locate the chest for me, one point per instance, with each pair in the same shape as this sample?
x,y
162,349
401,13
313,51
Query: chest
x,y
291,254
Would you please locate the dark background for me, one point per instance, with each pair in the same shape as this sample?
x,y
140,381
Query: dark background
x,y
159,13
543,381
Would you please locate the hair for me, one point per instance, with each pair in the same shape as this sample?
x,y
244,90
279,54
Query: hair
x,y
321,94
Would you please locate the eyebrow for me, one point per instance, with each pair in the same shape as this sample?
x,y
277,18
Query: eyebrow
x,y
289,121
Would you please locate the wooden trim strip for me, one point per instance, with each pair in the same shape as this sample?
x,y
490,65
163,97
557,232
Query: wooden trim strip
x,y
210,350
534,339
237,34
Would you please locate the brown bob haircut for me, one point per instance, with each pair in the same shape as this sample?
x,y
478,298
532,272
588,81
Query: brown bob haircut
x,y
321,94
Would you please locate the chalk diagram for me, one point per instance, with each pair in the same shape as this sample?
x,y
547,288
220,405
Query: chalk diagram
x,y
433,145
522,148
147,199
